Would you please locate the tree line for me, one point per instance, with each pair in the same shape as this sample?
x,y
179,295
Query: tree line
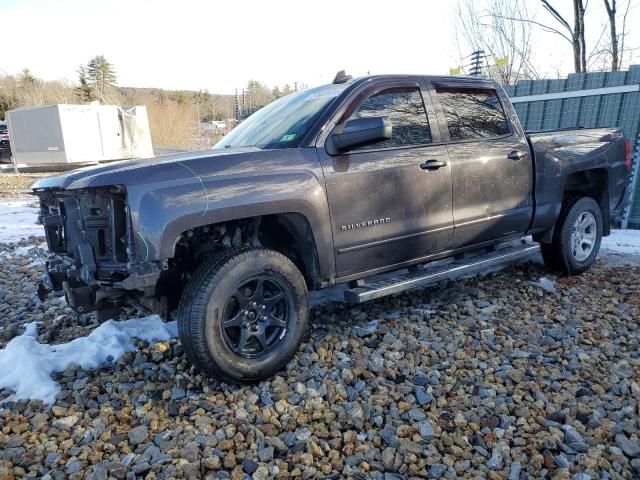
x,y
175,116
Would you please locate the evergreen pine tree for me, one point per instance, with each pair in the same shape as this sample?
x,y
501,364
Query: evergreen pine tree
x,y
84,90
100,76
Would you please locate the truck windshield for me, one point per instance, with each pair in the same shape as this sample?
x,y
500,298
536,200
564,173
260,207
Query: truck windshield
x,y
284,122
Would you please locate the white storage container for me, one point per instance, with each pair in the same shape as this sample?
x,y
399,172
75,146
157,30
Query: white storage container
x,y
62,134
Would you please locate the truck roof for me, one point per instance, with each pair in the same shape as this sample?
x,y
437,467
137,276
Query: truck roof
x,y
434,78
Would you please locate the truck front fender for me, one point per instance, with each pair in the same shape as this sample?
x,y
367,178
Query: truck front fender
x,y
159,217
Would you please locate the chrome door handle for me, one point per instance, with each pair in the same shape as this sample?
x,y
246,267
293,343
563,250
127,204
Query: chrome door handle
x,y
433,164
517,155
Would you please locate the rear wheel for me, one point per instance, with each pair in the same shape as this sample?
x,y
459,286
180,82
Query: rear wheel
x,y
243,314
576,238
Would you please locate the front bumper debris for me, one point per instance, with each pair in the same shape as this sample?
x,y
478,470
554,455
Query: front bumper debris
x,y
83,292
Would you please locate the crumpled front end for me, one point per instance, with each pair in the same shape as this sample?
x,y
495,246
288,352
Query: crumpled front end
x,y
89,236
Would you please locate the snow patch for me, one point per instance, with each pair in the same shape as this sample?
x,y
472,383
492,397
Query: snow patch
x,y
26,365
546,284
621,248
17,252
622,241
18,220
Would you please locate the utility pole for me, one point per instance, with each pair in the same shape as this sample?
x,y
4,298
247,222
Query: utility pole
x,y
237,107
477,58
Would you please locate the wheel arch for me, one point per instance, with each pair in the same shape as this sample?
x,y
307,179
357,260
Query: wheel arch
x,y
291,234
592,183
288,233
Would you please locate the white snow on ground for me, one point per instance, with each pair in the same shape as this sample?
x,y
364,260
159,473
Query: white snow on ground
x,y
621,248
17,252
26,365
622,241
548,285
18,220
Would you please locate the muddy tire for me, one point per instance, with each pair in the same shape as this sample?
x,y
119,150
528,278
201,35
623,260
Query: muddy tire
x,y
243,314
576,238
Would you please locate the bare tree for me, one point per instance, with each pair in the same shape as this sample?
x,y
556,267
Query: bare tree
x,y
575,34
616,46
502,30
257,95
61,91
173,124
30,89
26,90
610,6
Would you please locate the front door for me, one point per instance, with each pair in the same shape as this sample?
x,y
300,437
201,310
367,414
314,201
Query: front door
x,y
390,202
491,169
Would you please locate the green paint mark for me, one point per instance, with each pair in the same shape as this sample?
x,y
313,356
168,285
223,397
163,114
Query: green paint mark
x,y
146,246
206,194
288,138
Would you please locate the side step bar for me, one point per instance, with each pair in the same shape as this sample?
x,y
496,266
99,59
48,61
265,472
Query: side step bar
x,y
430,275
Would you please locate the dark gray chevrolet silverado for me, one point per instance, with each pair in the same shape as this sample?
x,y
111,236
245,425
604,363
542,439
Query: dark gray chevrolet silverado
x,y
423,176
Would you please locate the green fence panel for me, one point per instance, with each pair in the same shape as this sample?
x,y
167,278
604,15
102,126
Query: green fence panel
x,y
614,109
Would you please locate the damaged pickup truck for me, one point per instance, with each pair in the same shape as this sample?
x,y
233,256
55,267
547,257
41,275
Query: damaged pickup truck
x,y
422,176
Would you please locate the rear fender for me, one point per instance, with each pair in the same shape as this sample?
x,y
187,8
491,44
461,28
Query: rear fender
x,y
561,157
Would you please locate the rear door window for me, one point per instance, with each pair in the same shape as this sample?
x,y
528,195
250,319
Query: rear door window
x,y
472,113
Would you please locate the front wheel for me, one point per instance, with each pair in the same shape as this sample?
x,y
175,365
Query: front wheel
x,y
576,238
243,315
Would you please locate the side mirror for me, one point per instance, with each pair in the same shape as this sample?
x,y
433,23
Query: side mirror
x,y
357,133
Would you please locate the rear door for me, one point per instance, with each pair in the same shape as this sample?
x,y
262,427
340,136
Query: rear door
x,y
491,168
386,208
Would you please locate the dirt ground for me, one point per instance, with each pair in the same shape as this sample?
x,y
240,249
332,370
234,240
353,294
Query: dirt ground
x,y
16,184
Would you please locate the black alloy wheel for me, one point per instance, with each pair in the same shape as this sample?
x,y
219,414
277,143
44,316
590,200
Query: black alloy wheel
x,y
256,316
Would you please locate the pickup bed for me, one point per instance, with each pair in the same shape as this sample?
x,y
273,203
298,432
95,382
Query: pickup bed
x,y
328,185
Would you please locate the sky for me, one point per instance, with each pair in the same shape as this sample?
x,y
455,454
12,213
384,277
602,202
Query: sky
x,y
220,45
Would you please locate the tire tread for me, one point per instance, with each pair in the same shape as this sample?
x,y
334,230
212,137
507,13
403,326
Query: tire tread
x,y
554,253
193,306
190,291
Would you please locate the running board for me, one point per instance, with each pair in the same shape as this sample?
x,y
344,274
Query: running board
x,y
430,275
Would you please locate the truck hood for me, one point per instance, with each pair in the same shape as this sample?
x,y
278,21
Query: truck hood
x,y
145,170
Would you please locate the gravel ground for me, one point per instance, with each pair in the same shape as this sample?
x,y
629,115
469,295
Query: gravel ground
x,y
493,377
13,184
501,376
